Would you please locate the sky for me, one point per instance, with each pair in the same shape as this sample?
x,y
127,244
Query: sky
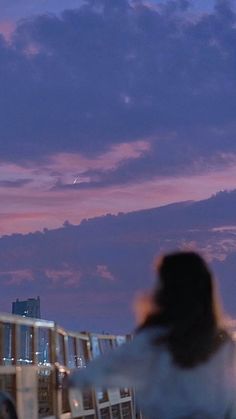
x,y
112,107
87,275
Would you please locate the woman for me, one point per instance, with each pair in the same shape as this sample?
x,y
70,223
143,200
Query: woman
x,y
182,362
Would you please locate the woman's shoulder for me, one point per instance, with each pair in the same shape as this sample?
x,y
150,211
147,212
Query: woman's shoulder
x,y
147,336
229,348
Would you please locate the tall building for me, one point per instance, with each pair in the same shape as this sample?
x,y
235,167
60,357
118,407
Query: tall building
x,y
28,308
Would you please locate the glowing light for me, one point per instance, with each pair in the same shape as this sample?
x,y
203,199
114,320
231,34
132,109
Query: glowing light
x,y
76,179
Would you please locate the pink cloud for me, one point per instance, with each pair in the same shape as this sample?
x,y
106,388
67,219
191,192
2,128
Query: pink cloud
x,y
67,166
66,276
7,28
17,277
104,273
11,222
74,164
32,49
34,205
213,248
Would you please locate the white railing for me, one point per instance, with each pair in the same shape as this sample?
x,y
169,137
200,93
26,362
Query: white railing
x,y
34,357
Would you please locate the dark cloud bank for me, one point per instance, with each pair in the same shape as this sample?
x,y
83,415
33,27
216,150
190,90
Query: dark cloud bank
x,y
113,71
87,275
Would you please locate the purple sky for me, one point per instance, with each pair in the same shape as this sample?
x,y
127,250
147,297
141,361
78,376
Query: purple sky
x,y
113,106
135,101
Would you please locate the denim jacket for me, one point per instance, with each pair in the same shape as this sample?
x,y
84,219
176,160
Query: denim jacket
x,y
163,389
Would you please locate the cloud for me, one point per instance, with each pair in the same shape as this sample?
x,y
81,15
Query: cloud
x,y
104,273
114,107
35,205
18,9
97,83
75,170
17,277
94,269
14,183
67,277
7,27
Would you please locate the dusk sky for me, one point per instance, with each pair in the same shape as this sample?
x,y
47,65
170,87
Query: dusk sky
x,y
111,106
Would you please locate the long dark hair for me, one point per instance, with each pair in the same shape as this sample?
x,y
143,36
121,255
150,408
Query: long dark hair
x,y
185,304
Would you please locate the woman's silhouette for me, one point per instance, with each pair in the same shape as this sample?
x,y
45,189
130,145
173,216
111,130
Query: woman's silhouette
x,y
182,360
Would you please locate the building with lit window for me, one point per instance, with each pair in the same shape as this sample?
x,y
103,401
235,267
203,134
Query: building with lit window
x,y
27,308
